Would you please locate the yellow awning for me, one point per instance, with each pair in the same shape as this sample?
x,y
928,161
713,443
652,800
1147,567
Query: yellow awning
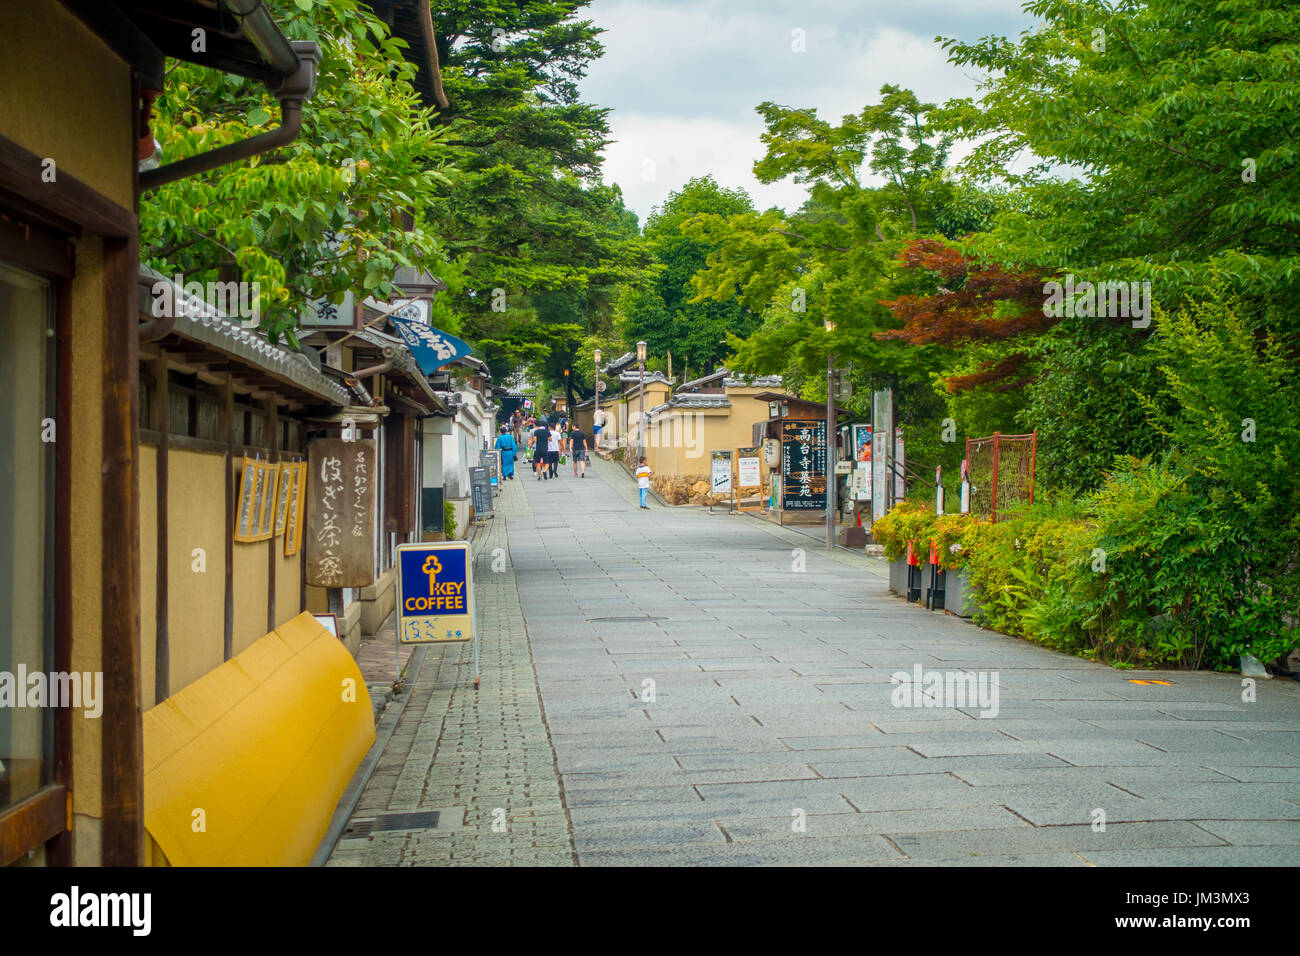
x,y
245,766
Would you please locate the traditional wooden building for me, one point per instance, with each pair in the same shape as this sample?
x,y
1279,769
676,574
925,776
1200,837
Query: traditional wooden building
x,y
118,446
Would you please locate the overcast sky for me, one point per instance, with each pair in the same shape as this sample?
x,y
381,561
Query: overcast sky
x,y
683,77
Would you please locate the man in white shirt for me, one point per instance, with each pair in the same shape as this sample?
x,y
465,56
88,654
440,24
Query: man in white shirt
x,y
553,452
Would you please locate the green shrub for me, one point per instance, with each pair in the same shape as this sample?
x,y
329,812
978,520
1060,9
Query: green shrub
x,y
1198,554
449,520
1013,564
906,521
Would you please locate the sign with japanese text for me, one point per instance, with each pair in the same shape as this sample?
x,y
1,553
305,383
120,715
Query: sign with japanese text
x,y
255,514
721,472
323,312
431,347
340,539
803,465
294,519
435,592
749,467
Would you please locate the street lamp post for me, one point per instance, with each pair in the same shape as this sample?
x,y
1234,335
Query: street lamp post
x,y
830,441
640,415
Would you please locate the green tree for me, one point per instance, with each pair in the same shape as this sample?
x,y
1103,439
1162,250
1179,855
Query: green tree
x,y
660,310
541,238
319,216
1176,120
834,260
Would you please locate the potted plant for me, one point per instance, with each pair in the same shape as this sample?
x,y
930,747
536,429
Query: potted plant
x,y
908,521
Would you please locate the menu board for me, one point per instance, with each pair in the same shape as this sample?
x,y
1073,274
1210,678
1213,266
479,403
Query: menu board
x,y
480,484
803,465
491,460
288,472
748,466
721,472
294,518
255,512
340,539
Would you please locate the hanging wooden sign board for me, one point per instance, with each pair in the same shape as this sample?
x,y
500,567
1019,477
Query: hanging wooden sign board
x,y
340,538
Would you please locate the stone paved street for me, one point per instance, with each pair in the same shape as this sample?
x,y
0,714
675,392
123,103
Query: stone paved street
x,y
482,758
718,691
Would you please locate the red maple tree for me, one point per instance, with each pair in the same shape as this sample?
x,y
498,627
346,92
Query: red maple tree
x,y
974,303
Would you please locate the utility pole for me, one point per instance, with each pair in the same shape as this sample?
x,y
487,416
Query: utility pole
x,y
830,443
640,418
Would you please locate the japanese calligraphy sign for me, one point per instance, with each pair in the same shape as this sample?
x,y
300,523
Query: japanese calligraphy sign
x,y
293,522
340,537
435,593
255,514
803,465
749,467
431,347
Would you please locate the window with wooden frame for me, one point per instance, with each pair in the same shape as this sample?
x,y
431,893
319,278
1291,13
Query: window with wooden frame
x,y
27,467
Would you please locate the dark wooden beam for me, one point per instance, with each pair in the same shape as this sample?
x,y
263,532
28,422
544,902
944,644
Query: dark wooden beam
x,y
66,197
160,420
28,824
228,533
123,776
273,426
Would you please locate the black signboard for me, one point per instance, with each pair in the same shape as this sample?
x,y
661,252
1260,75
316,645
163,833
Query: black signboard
x,y
480,484
803,465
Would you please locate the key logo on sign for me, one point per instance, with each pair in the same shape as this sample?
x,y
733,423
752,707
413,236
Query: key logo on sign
x,y
431,567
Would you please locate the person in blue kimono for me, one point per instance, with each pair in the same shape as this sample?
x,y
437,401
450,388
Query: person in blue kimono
x,y
506,445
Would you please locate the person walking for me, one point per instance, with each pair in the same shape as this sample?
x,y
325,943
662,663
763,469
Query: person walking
x,y
553,451
643,481
508,449
578,451
540,439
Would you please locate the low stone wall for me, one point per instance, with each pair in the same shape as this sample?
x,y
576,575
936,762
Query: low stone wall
x,y
688,490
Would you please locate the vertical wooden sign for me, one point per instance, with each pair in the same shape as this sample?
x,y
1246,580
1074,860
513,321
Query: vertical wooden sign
x,y
340,494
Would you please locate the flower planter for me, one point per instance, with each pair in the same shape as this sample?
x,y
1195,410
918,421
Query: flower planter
x,y
959,592
935,581
898,576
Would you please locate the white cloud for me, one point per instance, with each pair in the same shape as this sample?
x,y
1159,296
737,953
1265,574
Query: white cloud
x,y
683,77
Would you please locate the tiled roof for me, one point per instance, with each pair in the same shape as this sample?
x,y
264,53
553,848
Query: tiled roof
x,y
752,381
700,401
620,363
694,383
200,322
634,378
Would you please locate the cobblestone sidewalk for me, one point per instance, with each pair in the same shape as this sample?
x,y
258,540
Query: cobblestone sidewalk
x,y
482,759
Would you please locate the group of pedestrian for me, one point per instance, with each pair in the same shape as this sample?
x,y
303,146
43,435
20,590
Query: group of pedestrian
x,y
549,439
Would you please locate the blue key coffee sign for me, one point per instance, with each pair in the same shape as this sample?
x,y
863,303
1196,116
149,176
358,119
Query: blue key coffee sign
x,y
435,597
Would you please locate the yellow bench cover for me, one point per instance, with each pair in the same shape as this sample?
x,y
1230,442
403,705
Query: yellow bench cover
x,y
245,766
